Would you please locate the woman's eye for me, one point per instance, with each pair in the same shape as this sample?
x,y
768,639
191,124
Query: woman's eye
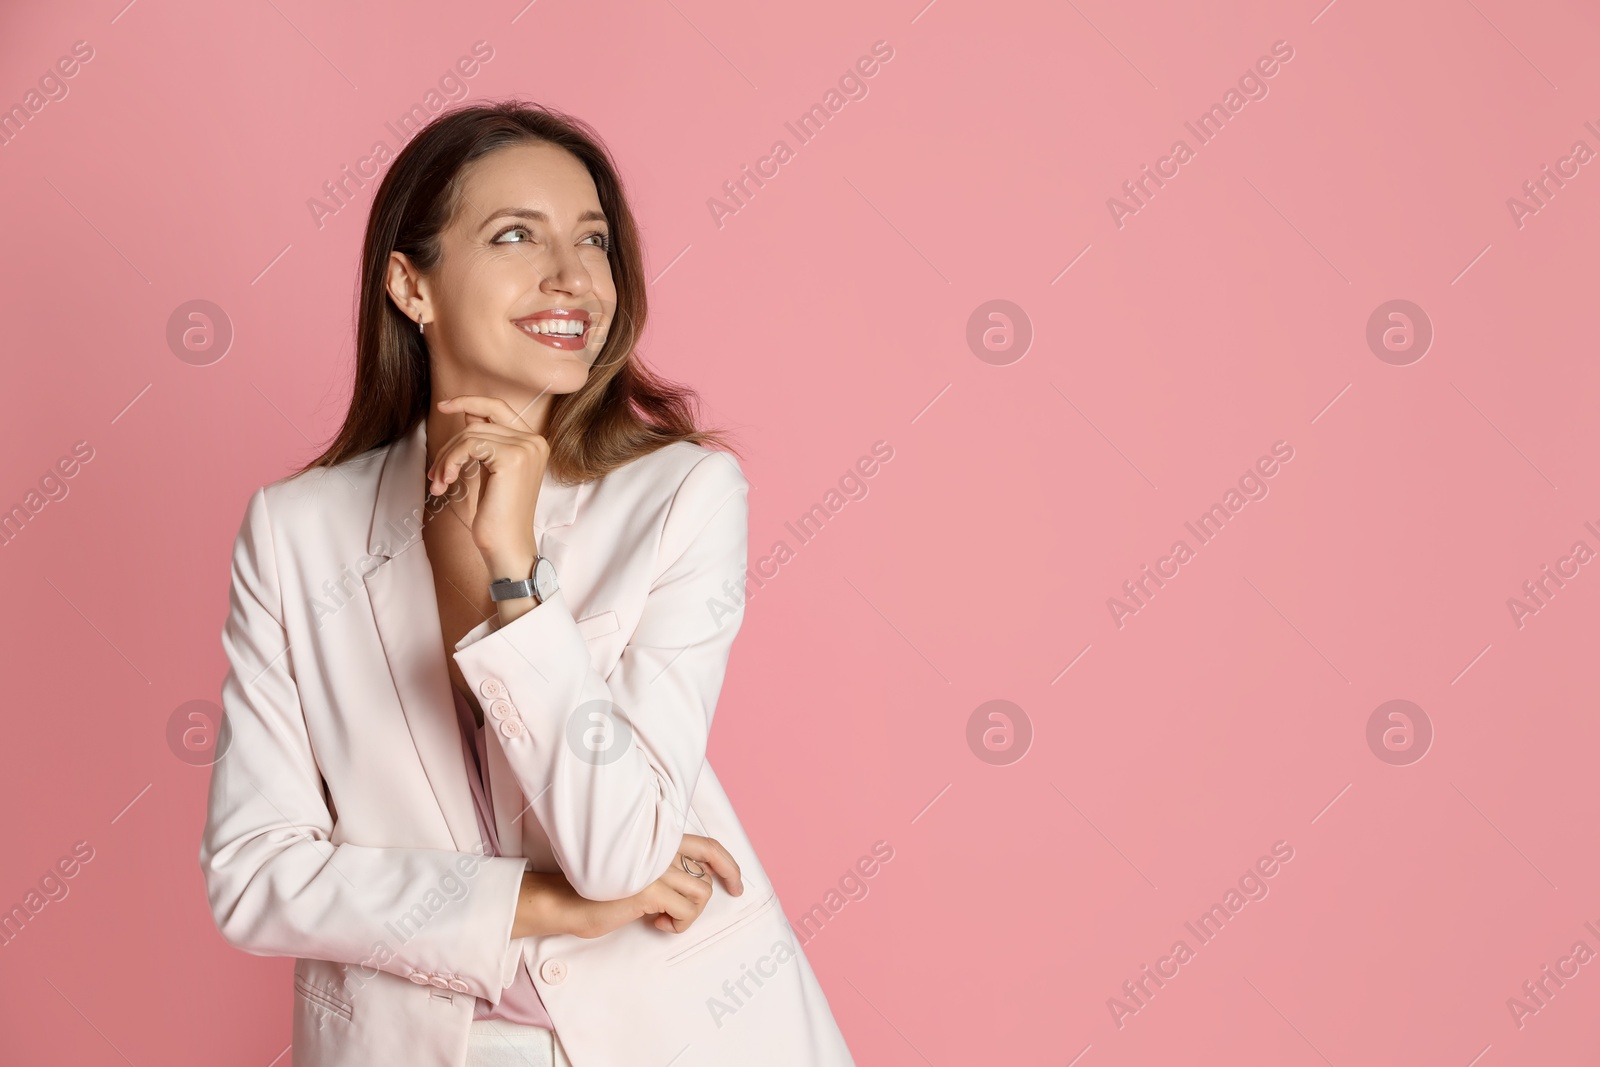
x,y
523,235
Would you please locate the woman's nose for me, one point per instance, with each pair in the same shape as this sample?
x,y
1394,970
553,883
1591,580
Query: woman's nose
x,y
565,272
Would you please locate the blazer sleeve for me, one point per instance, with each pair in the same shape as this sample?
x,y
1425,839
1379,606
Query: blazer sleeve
x,y
277,886
612,760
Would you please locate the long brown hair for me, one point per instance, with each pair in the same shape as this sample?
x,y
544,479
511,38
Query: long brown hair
x,y
623,411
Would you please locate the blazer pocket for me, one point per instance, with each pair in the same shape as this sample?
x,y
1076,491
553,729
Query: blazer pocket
x,y
322,998
598,625
739,921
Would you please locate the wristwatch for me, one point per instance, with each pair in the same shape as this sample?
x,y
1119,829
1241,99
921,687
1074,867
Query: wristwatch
x,y
542,586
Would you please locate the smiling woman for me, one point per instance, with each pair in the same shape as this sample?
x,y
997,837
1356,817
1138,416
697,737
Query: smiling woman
x,y
527,701
462,185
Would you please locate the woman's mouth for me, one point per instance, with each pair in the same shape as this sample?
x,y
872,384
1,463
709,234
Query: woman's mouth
x,y
563,328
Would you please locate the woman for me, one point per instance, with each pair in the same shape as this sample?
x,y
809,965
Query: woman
x,y
475,648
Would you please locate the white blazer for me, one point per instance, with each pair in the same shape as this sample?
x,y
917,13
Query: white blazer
x,y
340,827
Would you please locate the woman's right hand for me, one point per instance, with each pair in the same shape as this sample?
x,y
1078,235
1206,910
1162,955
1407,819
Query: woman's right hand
x,y
676,899
549,905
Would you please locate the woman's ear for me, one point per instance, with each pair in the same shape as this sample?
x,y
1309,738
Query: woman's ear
x,y
408,289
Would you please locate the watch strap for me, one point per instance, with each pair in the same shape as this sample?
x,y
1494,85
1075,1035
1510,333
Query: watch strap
x,y
512,589
517,588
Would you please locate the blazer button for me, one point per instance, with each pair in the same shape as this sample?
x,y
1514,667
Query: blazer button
x,y
418,977
511,727
492,688
459,986
439,981
499,709
553,971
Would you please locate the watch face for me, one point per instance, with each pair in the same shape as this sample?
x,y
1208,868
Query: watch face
x,y
544,579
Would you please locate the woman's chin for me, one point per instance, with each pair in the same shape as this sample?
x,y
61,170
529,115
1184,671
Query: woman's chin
x,y
566,372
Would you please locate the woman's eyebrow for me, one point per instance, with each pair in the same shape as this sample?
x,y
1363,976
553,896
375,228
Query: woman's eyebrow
x,y
538,216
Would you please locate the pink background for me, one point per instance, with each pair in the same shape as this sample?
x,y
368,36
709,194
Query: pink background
x,y
829,313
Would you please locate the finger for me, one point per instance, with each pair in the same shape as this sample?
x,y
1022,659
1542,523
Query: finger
x,y
532,446
463,458
709,852
674,906
493,448
485,430
492,408
685,884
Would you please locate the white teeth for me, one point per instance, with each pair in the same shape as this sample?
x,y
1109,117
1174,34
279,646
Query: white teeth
x,y
563,327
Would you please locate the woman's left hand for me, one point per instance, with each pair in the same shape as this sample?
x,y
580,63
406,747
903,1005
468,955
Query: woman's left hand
x,y
512,459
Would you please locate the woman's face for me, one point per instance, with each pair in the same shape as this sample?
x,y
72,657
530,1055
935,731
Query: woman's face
x,y
521,300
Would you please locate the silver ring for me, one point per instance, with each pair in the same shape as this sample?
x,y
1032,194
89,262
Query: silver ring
x,y
685,861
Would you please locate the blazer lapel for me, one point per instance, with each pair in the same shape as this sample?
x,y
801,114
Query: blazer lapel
x,y
405,611
407,616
